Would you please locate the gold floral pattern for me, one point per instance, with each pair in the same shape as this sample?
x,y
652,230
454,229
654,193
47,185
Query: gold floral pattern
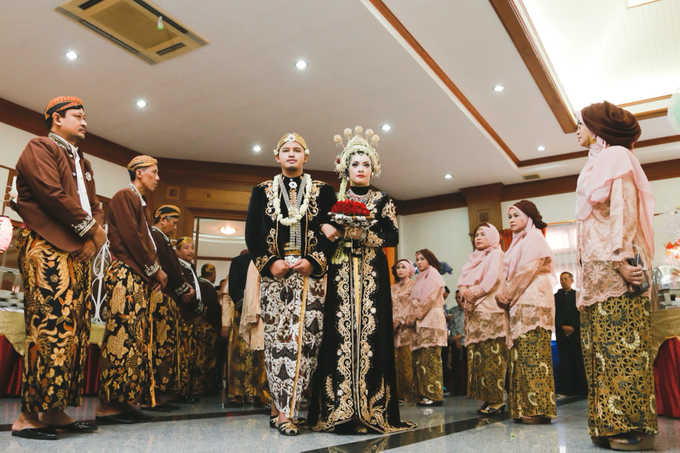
x,y
57,315
616,342
405,381
531,389
487,364
125,370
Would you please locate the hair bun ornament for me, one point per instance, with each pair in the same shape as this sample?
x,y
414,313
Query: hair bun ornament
x,y
375,140
348,133
338,140
358,130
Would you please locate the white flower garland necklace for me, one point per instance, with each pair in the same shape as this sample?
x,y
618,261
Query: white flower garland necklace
x,y
294,215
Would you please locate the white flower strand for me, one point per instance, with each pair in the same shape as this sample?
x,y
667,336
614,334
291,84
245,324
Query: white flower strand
x,y
296,216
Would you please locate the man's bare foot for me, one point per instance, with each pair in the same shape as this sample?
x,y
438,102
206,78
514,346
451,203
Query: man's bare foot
x,y
104,409
59,418
28,420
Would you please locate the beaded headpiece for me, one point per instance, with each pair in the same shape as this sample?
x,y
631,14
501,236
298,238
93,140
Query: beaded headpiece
x,y
359,144
293,137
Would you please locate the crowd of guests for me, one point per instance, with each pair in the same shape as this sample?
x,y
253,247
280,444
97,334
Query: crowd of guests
x,y
307,309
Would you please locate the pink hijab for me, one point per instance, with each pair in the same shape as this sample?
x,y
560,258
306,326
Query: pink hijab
x,y
482,265
427,283
528,245
409,266
605,164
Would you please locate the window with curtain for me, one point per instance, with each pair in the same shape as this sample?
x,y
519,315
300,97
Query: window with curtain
x,y
562,240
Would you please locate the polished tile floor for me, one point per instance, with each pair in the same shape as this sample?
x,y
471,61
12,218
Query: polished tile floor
x,y
206,427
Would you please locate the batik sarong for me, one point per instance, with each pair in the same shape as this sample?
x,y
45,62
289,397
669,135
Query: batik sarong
x,y
165,341
292,311
531,389
404,367
616,343
186,356
428,373
487,364
57,314
206,358
247,374
125,370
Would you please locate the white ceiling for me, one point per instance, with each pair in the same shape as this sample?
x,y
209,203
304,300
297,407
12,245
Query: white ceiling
x,y
607,50
243,89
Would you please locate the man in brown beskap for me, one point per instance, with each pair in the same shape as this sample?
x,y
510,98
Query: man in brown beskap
x,y
57,201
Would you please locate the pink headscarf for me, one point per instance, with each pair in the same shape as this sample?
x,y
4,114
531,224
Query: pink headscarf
x,y
409,266
605,164
482,265
528,245
428,282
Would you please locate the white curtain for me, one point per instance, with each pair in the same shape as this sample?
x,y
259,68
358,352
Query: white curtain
x,y
562,241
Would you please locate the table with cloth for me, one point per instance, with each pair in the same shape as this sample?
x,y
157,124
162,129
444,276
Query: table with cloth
x,y
666,353
12,345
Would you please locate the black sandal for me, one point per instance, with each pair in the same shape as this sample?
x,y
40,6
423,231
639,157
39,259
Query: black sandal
x,y
274,421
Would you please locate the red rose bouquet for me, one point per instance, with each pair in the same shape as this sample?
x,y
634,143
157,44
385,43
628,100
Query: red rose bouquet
x,y
350,208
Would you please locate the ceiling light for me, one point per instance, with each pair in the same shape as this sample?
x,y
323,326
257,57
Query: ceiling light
x,y
541,148
301,64
141,103
448,176
228,230
498,88
257,149
386,127
71,55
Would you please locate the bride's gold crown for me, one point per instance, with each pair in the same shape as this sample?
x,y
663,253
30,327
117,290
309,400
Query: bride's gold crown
x,y
360,143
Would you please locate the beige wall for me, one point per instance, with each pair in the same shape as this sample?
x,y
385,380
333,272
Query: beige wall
x,y
445,233
110,177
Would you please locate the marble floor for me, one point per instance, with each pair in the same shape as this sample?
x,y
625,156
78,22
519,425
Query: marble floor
x,y
207,427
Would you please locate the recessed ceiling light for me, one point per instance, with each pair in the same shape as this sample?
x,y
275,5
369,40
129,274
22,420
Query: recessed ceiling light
x,y
228,230
448,176
71,55
386,127
257,148
541,148
141,103
498,88
301,64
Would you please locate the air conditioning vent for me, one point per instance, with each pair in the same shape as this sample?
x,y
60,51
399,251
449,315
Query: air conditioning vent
x,y
133,25
531,177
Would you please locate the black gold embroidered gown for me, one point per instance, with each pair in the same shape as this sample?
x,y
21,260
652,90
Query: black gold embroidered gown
x,y
356,377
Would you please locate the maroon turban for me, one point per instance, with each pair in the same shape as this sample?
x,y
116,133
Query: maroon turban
x,y
613,124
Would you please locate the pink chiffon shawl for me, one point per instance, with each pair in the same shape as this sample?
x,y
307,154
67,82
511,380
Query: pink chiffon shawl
x,y
482,267
605,164
528,245
427,282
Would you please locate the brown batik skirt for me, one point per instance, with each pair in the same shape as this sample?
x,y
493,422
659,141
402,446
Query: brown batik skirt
x,y
247,374
487,365
57,315
206,357
165,354
404,366
125,370
428,373
616,343
532,386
